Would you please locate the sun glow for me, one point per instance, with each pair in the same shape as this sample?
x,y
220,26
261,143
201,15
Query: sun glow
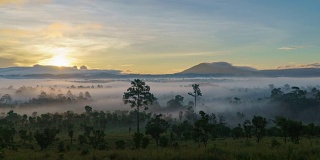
x,y
59,58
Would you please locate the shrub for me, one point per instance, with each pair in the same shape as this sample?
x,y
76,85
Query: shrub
x,y
84,151
175,145
2,154
274,143
103,146
163,141
120,144
145,142
61,147
82,139
68,148
137,138
61,156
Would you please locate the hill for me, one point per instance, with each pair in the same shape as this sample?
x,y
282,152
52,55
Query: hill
x,y
219,68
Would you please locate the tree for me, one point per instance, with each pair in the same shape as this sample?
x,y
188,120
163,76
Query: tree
x,y
276,94
190,114
88,109
295,129
196,93
87,95
259,124
80,97
177,102
6,136
282,123
157,126
97,139
70,133
45,138
138,95
23,135
5,99
180,116
70,96
201,129
237,132
247,126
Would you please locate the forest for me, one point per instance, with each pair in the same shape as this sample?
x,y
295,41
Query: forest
x,y
147,130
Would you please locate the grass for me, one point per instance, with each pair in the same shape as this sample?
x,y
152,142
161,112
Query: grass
x,y
219,149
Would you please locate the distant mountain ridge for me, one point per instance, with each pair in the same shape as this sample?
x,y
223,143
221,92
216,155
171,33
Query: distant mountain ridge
x,y
215,69
54,70
219,68
227,69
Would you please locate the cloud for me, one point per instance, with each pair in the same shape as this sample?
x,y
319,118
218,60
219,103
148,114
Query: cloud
x,y
126,65
5,2
19,2
193,54
287,48
292,66
5,62
6,32
58,29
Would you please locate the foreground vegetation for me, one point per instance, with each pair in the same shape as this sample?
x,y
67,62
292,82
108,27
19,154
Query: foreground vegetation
x,y
221,148
191,135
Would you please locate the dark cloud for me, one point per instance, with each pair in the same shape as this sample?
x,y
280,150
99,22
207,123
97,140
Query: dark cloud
x,y
312,65
5,62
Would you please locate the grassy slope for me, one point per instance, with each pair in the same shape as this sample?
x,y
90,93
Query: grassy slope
x,y
221,149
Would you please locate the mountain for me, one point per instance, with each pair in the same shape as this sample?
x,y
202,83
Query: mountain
x,y
40,71
219,68
215,69
227,69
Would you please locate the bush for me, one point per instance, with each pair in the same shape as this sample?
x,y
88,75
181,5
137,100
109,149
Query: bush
x,y
61,147
68,148
137,138
103,146
274,143
61,156
163,141
145,142
175,145
82,139
2,154
120,144
84,151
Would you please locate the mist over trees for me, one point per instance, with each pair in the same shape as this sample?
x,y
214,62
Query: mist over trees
x,y
171,126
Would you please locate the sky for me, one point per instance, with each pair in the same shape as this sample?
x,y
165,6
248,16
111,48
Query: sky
x,y
159,36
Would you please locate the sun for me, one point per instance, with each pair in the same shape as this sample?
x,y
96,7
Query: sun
x,y
59,60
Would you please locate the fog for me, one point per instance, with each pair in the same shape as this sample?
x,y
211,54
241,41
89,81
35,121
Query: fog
x,y
218,94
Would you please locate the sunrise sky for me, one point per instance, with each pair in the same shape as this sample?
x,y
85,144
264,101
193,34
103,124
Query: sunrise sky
x,y
159,36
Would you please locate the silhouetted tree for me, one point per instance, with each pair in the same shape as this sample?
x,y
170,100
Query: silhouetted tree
x,y
138,95
177,102
45,138
157,126
247,126
259,124
190,114
237,132
6,136
283,124
202,128
196,93
6,99
70,133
